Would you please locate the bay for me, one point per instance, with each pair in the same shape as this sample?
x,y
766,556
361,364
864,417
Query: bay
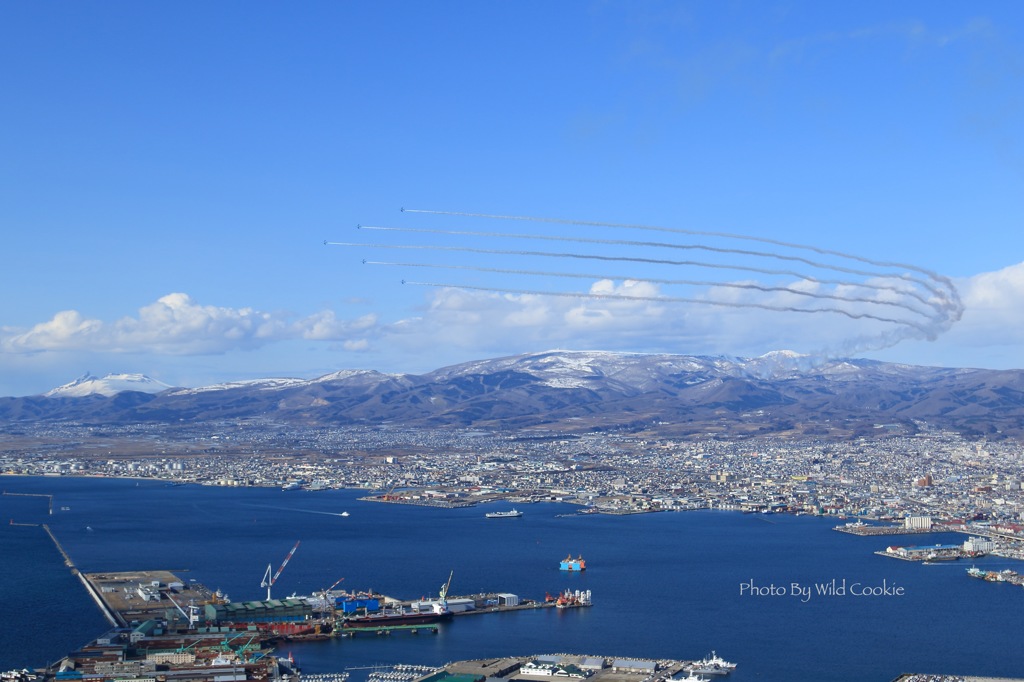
x,y
666,585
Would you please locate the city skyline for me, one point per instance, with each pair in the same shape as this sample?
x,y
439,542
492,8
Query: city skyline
x,y
172,174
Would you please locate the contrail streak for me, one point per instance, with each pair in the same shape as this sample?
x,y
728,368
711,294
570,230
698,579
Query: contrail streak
x,y
652,280
686,247
652,261
703,233
949,293
671,299
923,303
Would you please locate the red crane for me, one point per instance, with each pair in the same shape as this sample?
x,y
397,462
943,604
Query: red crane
x,y
269,581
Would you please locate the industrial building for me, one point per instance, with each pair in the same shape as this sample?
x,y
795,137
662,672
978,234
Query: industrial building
x,y
274,610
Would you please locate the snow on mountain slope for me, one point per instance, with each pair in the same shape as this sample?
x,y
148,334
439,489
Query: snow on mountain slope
x,y
109,385
259,384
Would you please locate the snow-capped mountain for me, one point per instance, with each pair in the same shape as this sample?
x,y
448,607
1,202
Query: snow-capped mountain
x,y
109,385
782,393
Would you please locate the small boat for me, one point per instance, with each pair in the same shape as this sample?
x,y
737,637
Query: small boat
x,y
692,677
343,514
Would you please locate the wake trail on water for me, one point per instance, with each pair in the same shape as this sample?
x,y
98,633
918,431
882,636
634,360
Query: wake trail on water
x,y
295,509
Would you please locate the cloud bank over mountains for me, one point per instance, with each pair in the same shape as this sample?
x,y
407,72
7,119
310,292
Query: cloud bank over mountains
x,y
175,324
463,324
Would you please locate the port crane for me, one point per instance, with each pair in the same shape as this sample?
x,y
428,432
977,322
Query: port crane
x,y
243,652
193,612
268,581
444,590
328,605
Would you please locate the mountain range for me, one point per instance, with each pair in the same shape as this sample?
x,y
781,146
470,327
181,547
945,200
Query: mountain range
x,y
782,394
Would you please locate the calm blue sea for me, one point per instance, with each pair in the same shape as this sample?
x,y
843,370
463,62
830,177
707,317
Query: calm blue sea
x,y
664,585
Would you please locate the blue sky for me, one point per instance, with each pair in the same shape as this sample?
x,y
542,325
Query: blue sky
x,y
170,171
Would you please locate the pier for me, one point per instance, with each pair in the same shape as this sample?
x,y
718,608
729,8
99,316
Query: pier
x,y
49,498
110,614
67,560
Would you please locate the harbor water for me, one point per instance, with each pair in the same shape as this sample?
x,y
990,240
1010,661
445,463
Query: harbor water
x,y
785,597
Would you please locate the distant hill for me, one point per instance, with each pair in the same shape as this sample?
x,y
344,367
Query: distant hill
x,y
780,393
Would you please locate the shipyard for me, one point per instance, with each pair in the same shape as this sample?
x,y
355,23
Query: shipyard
x,y
130,598
167,629
170,629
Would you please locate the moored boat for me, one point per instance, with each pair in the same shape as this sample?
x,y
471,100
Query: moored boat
x,y
712,665
402,615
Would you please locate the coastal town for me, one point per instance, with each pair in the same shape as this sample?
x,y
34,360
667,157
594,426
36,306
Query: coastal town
x,y
896,485
935,474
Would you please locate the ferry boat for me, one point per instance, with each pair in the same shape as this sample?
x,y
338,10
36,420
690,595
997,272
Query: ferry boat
x,y
513,514
570,564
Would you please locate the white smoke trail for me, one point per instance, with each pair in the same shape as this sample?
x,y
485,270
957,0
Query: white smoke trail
x,y
948,294
671,299
727,235
903,291
900,287
655,280
662,245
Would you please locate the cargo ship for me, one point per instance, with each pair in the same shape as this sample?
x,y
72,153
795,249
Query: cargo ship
x,y
401,615
570,564
312,629
392,617
513,514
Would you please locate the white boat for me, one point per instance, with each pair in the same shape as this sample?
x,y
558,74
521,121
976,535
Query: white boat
x,y
504,515
343,514
692,677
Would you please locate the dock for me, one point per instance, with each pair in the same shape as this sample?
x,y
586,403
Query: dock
x,y
124,597
866,529
382,630
924,677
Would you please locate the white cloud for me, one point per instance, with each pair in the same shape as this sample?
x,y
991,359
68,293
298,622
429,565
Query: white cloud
x,y
994,309
325,326
734,318
477,323
177,325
